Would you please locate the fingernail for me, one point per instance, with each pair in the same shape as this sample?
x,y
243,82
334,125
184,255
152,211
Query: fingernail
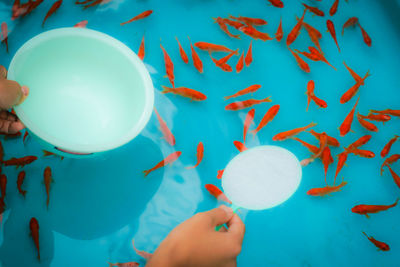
x,y
228,210
25,90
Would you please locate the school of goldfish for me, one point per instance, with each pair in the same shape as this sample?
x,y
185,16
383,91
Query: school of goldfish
x,y
234,27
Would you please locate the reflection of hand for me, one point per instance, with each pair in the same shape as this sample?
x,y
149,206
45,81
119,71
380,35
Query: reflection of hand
x,y
11,94
196,243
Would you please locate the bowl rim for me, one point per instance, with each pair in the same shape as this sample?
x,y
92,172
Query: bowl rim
x,y
118,45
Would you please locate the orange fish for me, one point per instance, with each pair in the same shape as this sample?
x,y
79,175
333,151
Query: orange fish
x,y
213,47
225,59
327,159
311,56
217,193
141,49
314,10
52,9
234,24
279,32
362,153
95,3
20,162
250,21
314,34
240,146
366,124
81,24
319,55
249,119
182,52
323,142
360,142
224,28
345,127
20,181
276,3
25,136
391,112
185,92
342,158
390,160
269,116
313,149
238,105
169,159
395,176
332,31
222,66
47,180
200,153
350,22
254,33
198,64
142,253
348,95
124,264
138,17
296,30
309,92
365,35
334,7
169,137
4,32
331,140
249,55
220,173
379,244
323,191
3,185
386,148
48,153
365,209
34,227
169,66
288,134
251,89
240,63
302,64
376,117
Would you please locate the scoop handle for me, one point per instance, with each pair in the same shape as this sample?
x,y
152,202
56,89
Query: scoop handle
x,y
234,208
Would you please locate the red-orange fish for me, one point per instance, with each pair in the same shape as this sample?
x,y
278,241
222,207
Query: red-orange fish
x,y
240,146
240,63
249,21
319,56
169,67
222,24
217,193
314,34
379,244
238,105
20,162
376,117
350,22
276,3
288,134
198,64
168,160
279,32
47,180
302,64
251,89
25,136
124,264
224,59
331,140
4,32
323,191
254,33
169,137
366,124
51,11
327,159
81,24
142,15
345,127
220,173
223,66
332,31
314,10
233,23
395,176
200,153
182,52
141,51
48,153
94,3
269,116
342,158
365,35
3,185
213,47
360,142
249,55
334,7
247,122
20,181
391,112
34,227
390,160
361,152
313,149
296,30
388,146
142,253
365,209
185,92
311,96
354,89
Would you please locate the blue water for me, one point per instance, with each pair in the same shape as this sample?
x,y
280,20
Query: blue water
x,y
98,205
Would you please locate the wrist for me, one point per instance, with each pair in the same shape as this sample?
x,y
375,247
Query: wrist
x,y
167,255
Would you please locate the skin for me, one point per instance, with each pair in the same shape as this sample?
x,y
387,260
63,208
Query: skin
x,y
196,243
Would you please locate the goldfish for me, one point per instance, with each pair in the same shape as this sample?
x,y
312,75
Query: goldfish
x,y
348,95
362,153
395,176
345,127
332,31
81,24
334,7
220,173
222,25
311,96
376,117
168,160
213,47
250,21
47,180
249,55
20,181
254,33
169,137
182,52
20,162
124,264
25,136
314,34
142,15
350,22
48,153
240,63
235,24
386,148
251,89
169,67
225,59
34,227
320,56
327,159
296,30
217,193
279,32
314,10
366,124
3,185
238,105
269,116
96,3
223,66
13,135
185,92
142,253
365,209
200,152
141,51
52,9
288,134
359,142
276,3
331,140
342,158
302,64
240,146
311,56
4,32
365,35
249,119
379,244
390,160
323,191
198,64
313,149
390,112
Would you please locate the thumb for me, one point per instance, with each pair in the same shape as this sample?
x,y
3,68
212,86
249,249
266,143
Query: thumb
x,y
219,215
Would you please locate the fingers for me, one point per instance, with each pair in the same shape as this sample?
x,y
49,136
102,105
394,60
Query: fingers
x,y
236,228
10,93
10,127
219,215
3,72
25,93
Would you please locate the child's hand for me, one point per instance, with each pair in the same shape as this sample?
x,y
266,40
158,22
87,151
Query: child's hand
x,y
196,243
11,94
